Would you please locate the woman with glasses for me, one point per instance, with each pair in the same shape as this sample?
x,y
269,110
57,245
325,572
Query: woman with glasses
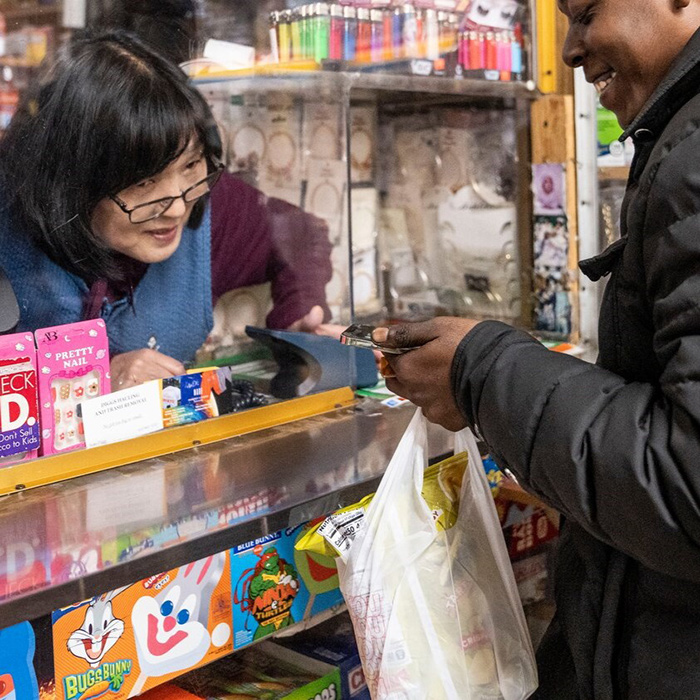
x,y
113,203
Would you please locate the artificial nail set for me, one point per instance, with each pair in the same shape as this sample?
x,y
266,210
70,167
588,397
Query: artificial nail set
x,y
69,364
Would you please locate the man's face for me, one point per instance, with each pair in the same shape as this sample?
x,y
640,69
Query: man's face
x,y
626,47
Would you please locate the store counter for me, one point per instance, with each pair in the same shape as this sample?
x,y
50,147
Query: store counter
x,y
68,542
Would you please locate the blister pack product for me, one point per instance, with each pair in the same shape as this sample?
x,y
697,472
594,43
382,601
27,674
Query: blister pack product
x,y
19,409
74,366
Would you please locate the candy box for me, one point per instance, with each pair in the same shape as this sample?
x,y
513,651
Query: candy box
x,y
124,642
74,365
20,436
276,585
268,672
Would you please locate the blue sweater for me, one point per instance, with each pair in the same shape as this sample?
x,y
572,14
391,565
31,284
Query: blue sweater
x,y
172,304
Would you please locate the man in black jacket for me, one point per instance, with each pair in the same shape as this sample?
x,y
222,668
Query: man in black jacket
x,y
614,446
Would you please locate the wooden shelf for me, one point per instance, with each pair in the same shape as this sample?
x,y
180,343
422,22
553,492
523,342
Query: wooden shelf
x,y
33,11
615,172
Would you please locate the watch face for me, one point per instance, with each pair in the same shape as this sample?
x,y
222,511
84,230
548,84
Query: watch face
x,y
362,287
336,289
282,151
324,143
248,140
325,201
361,148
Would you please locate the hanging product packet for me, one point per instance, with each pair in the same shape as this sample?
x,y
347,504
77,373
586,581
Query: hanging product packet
x,y
426,577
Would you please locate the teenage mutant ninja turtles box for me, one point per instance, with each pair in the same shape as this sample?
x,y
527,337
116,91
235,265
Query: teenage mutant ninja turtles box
x,y
274,585
124,642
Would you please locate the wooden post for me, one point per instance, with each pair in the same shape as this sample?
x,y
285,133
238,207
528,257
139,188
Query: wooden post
x,y
553,141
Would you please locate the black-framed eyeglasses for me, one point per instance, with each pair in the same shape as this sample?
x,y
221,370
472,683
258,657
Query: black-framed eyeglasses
x,y
152,210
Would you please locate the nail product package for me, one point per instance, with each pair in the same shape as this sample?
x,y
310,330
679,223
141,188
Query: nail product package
x,y
19,411
74,366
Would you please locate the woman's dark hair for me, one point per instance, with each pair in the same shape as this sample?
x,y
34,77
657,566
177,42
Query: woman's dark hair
x,y
108,113
169,26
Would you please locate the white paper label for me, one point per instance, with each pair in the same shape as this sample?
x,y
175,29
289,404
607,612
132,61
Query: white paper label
x,y
340,529
123,414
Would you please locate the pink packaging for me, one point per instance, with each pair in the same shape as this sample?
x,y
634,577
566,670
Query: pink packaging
x,y
74,366
20,436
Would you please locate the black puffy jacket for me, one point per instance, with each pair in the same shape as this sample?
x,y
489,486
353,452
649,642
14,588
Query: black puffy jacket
x,y
615,447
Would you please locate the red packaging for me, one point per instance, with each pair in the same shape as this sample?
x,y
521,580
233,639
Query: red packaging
x,y
20,435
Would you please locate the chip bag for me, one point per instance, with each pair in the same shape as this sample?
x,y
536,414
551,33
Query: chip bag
x,y
427,580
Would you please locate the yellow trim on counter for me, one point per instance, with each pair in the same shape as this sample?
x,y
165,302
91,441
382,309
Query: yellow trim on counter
x,y
48,470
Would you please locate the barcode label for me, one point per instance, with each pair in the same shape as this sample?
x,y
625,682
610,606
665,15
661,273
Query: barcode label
x,y
340,529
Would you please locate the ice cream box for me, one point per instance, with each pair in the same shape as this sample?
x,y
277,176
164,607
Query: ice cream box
x,y
275,586
127,641
333,642
267,672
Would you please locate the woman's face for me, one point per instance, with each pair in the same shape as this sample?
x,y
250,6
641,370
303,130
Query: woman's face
x,y
155,240
626,47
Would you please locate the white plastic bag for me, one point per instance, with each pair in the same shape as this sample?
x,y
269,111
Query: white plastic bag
x,y
436,614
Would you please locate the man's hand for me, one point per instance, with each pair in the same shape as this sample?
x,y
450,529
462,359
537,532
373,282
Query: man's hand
x,y
423,375
139,366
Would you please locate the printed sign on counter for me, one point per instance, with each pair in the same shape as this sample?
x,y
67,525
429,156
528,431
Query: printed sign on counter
x,y
123,414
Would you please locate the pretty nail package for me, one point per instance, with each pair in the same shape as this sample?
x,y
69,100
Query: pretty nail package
x,y
74,366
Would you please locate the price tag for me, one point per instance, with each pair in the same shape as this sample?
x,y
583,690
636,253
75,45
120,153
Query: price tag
x,y
340,529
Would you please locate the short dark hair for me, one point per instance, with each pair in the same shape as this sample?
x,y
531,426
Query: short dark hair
x,y
108,113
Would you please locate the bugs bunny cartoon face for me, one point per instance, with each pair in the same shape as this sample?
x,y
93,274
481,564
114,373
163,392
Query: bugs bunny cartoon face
x,y
99,632
171,629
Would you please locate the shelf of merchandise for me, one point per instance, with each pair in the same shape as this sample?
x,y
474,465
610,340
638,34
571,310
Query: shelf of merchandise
x,y
255,484
375,82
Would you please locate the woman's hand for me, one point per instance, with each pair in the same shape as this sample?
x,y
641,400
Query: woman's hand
x,y
139,366
423,375
310,322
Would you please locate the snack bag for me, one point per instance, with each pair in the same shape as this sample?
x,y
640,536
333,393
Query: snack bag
x,y
19,409
74,362
434,606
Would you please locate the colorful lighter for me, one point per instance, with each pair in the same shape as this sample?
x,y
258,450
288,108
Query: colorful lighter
x,y
296,24
463,57
476,44
491,52
410,31
431,31
364,35
322,27
350,34
387,35
376,36
274,44
335,51
308,32
397,33
504,55
285,39
516,55
481,38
